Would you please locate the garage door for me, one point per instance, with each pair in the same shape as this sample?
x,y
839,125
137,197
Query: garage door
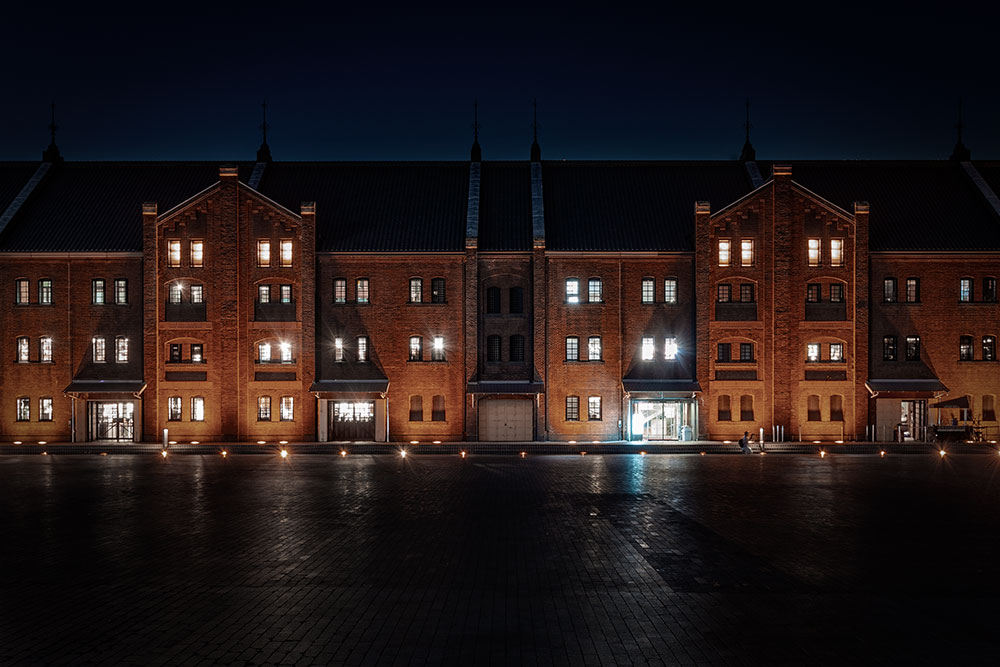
x,y
506,419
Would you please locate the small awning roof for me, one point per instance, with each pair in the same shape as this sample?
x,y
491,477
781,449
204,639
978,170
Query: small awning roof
x,y
505,388
676,385
906,384
105,387
957,402
350,386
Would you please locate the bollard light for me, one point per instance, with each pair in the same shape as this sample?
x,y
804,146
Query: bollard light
x,y
523,454
941,452
402,453
882,453
284,453
822,454
224,453
644,453
163,453
463,454
343,453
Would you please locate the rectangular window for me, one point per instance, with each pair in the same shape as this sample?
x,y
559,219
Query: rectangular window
x,y
989,408
493,348
746,252
724,352
836,408
174,409
286,352
812,409
517,300
416,348
965,290
45,292
286,253
493,300
437,290
889,348
814,247
572,408
670,290
913,348
965,348
362,348
724,412
416,290
594,408
263,352
437,408
286,294
22,350
812,351
572,348
595,290
23,409
648,290
670,348
813,292
263,253
197,293
913,290
338,349
45,349
263,294
45,409
97,290
746,351
437,348
889,290
836,293
361,290
836,252
339,290
989,348
990,290
516,347
174,293
173,253
572,290
416,408
99,350
724,293
747,292
197,408
197,253
746,408
121,350
175,353
594,348
836,351
21,291
121,291
648,348
263,408
725,250
287,408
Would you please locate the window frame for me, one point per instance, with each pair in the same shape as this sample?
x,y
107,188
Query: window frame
x,y
724,352
438,408
493,344
814,252
572,413
989,347
197,409
45,349
175,293
516,348
45,409
196,293
263,253
340,290
23,409
837,292
965,290
286,253
439,293
913,296
173,253
724,289
890,348
178,403
285,293
836,252
814,293
416,408
286,409
492,300
99,349
572,296
748,289
196,353
98,293
121,291
338,349
362,286
264,293
965,348
121,349
592,402
725,252
196,258
415,348
595,342
723,414
591,291
45,291
837,352
648,296
746,413
416,290
362,343
814,353
913,352
515,296
890,290
23,348
572,348
746,352
263,408
22,291
747,254
670,290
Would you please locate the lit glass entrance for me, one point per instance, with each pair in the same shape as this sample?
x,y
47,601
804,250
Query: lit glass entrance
x,y
913,420
110,420
662,419
352,420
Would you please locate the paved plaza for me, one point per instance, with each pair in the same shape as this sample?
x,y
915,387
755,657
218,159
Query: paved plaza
x,y
498,560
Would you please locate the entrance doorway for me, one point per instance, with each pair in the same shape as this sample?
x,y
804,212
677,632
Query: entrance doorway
x,y
662,420
110,420
352,420
506,419
913,419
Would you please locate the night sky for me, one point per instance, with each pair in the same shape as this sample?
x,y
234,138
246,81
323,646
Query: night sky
x,y
377,83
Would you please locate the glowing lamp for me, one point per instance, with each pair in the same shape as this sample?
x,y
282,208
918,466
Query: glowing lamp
x,y
284,453
163,453
224,453
402,453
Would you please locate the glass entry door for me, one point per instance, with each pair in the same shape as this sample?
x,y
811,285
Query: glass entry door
x,y
656,420
913,419
110,420
352,420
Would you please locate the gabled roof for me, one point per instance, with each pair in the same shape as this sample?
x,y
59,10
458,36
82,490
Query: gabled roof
x,y
990,171
505,206
13,177
377,206
633,205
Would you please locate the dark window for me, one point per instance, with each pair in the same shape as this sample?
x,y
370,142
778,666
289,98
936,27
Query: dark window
x,y
516,348
492,299
572,408
813,292
989,408
175,352
516,300
416,408
989,348
747,293
965,348
725,353
437,290
990,290
836,293
437,409
913,348
889,290
746,351
912,290
339,290
746,408
724,410
493,348
725,293
889,348
836,408
813,413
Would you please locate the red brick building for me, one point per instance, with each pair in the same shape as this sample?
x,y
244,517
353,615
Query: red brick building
x,y
537,300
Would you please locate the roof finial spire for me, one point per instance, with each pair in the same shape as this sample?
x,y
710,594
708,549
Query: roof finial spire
x,y
264,152
51,154
748,154
477,151
961,153
536,150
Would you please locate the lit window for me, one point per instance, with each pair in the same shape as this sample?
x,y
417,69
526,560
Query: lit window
x,y
724,293
286,252
22,350
99,350
197,293
21,291
965,290
121,349
724,352
263,408
595,290
197,353
286,294
889,348
286,352
263,294
45,409
362,348
670,349
493,348
837,351
45,291
175,353
725,250
338,349
670,290
339,290
912,290
437,408
23,409
746,351
913,348
263,253
594,348
263,352
836,252
647,290
812,351
197,408
97,290
416,290
174,408
594,408
175,293
572,408
437,349
45,349
889,290
173,253
836,293
965,348
746,252
648,348
814,252
121,291
572,290
572,348
197,254
516,347
287,408
437,290
361,290
416,348
747,293
989,348
813,292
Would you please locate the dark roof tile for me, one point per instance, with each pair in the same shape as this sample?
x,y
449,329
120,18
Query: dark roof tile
x,y
13,176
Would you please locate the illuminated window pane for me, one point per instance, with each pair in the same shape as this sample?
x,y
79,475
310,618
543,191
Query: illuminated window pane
x,y
989,348
648,348
263,408
812,352
813,292
670,349
22,349
45,291
287,408
45,409
437,349
264,352
416,348
173,253
263,294
197,409
197,253
594,348
45,348
99,350
362,348
263,253
572,408
197,353
746,351
572,348
197,293
913,348
836,351
836,252
572,290
965,290
912,290
836,293
286,352
286,252
416,290
121,349
965,348
23,409
286,294
889,348
595,290
174,408
814,248
121,291
97,290
340,290
593,408
174,294
747,293
648,288
670,290
724,293
746,252
725,250
21,292
889,290
338,349
361,290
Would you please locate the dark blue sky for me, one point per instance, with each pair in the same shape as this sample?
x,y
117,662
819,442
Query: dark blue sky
x,y
186,81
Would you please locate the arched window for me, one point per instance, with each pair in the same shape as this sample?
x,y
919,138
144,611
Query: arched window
x,y
437,408
989,409
493,348
836,408
813,413
725,413
416,408
516,347
746,408
492,299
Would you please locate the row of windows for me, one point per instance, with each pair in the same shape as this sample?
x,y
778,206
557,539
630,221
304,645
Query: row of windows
x,y
648,348
595,291
195,293
417,408
724,293
24,349
725,352
417,290
834,256
573,408
362,290
361,349
282,293
989,348
889,348
44,409
516,348
594,348
98,291
22,291
197,413
966,291
196,253
417,348
515,300
195,354
284,355
814,352
724,411
912,294
286,411
814,292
